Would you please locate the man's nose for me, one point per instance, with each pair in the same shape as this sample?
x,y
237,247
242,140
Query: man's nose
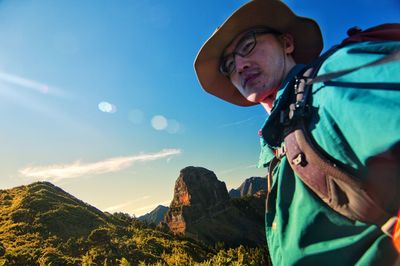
x,y
242,63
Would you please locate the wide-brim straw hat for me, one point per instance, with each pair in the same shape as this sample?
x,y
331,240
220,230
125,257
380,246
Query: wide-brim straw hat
x,y
269,13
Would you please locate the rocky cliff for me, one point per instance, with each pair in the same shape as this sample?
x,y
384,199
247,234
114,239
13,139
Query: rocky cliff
x,y
202,209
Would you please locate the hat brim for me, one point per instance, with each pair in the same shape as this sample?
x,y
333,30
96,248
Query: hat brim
x,y
269,13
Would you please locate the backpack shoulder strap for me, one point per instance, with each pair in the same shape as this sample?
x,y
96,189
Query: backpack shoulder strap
x,y
394,56
383,32
387,31
328,179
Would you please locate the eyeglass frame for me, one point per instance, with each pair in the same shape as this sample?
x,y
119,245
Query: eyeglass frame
x,y
252,33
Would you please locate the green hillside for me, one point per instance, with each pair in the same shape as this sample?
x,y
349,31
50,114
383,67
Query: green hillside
x,y
40,224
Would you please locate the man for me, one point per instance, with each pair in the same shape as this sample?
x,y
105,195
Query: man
x,y
253,58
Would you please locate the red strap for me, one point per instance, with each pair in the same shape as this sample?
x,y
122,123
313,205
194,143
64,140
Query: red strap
x,y
384,32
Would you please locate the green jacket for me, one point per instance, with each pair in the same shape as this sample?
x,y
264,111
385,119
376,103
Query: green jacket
x,y
352,125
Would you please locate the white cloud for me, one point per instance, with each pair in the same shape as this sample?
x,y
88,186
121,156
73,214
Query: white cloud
x,y
77,169
123,207
148,208
120,207
237,169
29,84
237,123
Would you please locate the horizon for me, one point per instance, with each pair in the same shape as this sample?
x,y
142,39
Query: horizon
x,y
102,99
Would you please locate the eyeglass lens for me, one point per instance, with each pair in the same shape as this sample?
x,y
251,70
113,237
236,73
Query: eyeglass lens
x,y
243,48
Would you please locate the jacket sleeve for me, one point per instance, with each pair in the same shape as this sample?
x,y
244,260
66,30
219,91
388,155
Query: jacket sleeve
x,y
363,107
357,118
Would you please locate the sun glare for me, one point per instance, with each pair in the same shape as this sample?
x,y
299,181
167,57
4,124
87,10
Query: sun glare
x,y
159,122
107,107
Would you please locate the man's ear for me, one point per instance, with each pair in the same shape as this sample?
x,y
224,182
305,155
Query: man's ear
x,y
287,43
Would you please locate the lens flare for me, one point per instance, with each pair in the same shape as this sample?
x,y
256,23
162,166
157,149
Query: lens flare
x,y
107,107
173,126
159,122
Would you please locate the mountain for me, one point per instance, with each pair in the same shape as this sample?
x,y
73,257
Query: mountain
x,y
155,216
249,187
202,210
48,210
41,224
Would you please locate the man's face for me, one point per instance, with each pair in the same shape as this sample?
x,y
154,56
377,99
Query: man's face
x,y
259,74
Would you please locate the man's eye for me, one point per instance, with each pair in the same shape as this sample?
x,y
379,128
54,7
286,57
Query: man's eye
x,y
246,46
229,64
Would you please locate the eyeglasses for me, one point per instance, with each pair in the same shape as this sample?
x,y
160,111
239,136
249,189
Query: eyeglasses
x,y
243,48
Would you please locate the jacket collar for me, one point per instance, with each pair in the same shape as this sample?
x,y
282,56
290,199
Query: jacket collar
x,y
272,129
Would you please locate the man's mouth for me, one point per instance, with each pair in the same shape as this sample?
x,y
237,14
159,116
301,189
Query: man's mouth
x,y
248,78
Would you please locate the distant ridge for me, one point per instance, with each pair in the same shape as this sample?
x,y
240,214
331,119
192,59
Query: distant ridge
x,y
155,216
249,187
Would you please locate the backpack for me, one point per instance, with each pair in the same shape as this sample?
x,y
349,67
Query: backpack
x,y
327,178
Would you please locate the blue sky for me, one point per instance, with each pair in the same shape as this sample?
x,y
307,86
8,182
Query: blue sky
x,y
100,97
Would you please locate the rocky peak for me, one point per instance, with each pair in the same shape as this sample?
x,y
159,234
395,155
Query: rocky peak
x,y
198,186
201,209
